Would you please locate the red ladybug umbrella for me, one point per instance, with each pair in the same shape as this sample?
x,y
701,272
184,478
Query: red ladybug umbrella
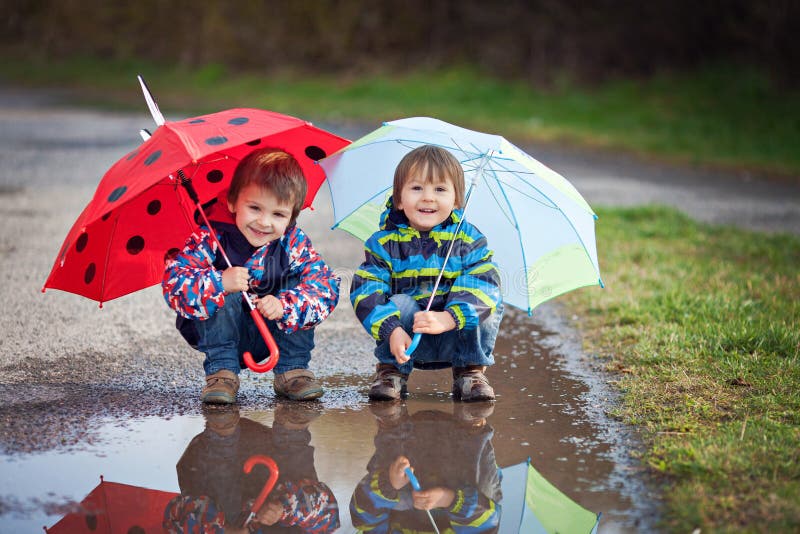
x,y
116,508
143,208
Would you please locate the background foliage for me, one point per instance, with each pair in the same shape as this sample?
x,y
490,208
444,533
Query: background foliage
x,y
542,41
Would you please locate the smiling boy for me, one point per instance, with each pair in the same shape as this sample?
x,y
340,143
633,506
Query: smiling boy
x,y
402,261
273,259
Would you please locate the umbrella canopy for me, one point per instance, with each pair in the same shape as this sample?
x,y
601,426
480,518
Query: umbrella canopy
x,y
140,212
539,226
113,508
534,506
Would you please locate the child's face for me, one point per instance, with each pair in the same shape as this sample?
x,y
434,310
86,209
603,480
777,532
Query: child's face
x,y
426,204
259,215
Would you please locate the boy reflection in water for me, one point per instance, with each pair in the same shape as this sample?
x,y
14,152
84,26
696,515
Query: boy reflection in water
x,y
216,494
452,457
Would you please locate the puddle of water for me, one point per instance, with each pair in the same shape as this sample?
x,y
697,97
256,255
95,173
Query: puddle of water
x,y
544,412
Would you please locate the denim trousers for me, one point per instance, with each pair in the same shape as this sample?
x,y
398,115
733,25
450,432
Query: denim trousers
x,y
231,331
456,348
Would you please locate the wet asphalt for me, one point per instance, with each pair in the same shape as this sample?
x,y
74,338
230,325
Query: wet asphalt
x,y
86,391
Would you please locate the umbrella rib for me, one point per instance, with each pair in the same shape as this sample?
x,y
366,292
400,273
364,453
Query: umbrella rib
x,y
513,219
564,215
108,255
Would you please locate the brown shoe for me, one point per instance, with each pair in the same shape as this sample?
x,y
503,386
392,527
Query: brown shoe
x,y
297,384
295,415
471,385
388,383
221,388
221,419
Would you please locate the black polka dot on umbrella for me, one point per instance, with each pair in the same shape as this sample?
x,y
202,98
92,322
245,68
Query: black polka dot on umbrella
x,y
80,244
105,216
214,176
88,275
218,140
197,121
254,142
152,158
117,193
153,207
91,521
132,155
135,245
315,153
136,529
238,121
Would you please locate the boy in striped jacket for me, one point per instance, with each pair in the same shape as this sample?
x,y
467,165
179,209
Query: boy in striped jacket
x,y
273,259
392,286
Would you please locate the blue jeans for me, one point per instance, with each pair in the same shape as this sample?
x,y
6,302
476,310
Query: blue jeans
x,y
456,348
231,331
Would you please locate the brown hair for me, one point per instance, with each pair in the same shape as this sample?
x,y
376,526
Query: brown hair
x,y
274,170
431,164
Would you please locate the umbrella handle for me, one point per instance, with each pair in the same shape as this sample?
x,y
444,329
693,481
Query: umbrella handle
x,y
251,462
414,342
271,345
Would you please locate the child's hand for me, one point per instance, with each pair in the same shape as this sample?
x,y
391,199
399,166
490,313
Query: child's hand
x,y
397,472
269,513
270,307
399,341
437,497
235,279
428,322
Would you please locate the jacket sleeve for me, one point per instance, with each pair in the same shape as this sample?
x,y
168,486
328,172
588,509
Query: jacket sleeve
x,y
475,293
371,289
316,295
473,512
191,286
308,504
372,503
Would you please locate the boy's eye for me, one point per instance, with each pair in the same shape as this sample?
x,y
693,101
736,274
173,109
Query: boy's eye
x,y
416,188
279,214
441,189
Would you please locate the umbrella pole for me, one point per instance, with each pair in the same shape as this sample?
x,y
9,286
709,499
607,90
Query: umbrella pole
x,y
274,352
478,173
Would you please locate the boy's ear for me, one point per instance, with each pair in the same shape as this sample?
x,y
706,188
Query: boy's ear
x,y
231,206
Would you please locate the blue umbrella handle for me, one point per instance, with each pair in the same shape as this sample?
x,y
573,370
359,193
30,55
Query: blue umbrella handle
x,y
413,479
414,342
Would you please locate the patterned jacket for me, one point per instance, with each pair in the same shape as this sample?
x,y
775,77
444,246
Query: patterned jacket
x,y
288,268
401,259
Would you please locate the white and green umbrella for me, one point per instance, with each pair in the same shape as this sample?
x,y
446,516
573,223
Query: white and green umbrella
x,y
539,226
533,505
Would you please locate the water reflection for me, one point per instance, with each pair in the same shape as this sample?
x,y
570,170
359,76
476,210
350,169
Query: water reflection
x,y
216,492
452,457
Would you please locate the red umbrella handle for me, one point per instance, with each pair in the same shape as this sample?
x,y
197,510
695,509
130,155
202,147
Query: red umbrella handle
x,y
273,478
271,345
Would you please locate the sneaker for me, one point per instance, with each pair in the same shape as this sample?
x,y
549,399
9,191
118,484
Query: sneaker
x,y
470,384
388,383
388,414
294,416
297,384
221,388
473,414
221,419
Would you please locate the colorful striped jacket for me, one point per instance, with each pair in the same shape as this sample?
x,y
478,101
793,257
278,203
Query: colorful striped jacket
x,y
401,259
288,268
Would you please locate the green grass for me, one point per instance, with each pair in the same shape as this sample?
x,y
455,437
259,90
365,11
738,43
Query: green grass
x,y
702,326
721,116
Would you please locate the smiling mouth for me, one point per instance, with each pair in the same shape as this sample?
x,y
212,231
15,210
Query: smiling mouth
x,y
427,211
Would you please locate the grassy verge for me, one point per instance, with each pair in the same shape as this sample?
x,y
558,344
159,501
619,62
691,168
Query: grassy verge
x,y
702,326
721,116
